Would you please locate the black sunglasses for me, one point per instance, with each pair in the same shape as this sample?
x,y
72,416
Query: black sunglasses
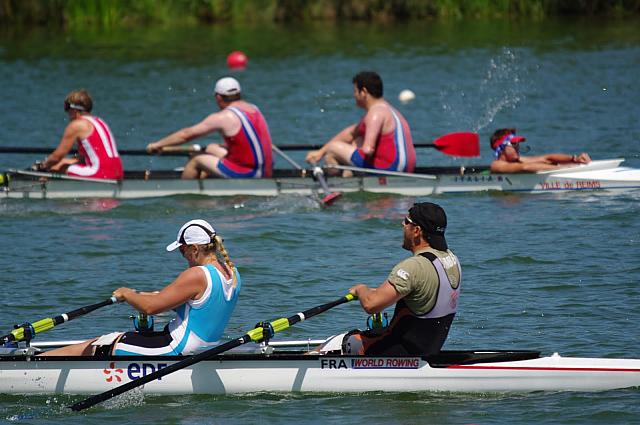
x,y
407,220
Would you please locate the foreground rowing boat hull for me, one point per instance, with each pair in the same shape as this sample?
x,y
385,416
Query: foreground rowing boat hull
x,y
599,175
236,374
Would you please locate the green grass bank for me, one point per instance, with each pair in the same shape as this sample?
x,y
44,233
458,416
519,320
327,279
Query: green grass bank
x,y
76,14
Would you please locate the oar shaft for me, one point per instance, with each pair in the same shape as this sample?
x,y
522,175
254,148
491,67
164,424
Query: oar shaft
x,y
287,157
171,152
131,152
253,335
300,147
99,398
383,172
43,325
284,323
329,196
319,175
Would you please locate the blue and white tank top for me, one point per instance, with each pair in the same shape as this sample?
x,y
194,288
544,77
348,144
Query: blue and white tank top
x,y
200,323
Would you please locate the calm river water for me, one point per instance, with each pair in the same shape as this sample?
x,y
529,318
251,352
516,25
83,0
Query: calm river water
x,y
545,272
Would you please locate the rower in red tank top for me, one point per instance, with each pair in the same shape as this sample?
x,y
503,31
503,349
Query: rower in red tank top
x,y
249,150
246,152
381,140
97,152
394,151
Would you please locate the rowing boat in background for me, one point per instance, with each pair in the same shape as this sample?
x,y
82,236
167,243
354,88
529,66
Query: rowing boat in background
x,y
597,175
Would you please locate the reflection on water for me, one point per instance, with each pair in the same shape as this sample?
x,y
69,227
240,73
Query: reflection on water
x,y
100,205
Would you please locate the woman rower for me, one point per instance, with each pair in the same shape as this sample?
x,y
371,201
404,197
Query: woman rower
x,y
203,296
98,156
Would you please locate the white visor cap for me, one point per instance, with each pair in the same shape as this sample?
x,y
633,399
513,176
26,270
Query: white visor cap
x,y
194,232
227,86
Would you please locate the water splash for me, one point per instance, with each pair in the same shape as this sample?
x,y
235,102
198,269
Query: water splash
x,y
502,87
132,398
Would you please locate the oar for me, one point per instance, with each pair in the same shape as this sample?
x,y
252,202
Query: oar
x,y
383,172
455,144
329,196
60,176
167,150
256,335
462,143
318,174
29,330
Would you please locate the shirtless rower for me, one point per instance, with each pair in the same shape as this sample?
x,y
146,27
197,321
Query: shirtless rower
x,y
246,152
381,140
507,159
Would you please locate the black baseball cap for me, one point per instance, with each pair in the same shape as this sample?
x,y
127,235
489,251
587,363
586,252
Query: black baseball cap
x,y
433,221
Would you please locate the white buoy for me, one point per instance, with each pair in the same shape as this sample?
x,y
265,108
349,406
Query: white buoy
x,y
406,96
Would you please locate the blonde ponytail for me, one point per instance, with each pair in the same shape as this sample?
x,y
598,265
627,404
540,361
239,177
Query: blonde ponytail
x,y
223,256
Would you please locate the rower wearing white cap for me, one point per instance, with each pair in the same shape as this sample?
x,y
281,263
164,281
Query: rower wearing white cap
x,y
246,152
203,297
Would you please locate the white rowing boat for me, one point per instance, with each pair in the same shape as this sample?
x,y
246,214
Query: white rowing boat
x,y
597,175
275,368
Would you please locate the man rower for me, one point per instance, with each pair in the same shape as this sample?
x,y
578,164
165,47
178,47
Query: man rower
x,y
381,140
507,159
246,152
424,288
97,152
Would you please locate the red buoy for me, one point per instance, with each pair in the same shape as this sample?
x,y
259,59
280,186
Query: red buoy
x,y
237,60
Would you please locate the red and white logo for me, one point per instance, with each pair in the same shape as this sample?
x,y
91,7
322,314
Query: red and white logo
x,y
113,373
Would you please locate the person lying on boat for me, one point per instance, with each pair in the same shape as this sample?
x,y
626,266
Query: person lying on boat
x,y
203,296
381,140
97,152
424,288
246,152
507,159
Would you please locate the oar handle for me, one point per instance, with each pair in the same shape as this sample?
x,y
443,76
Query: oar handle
x,y
88,309
180,149
253,335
